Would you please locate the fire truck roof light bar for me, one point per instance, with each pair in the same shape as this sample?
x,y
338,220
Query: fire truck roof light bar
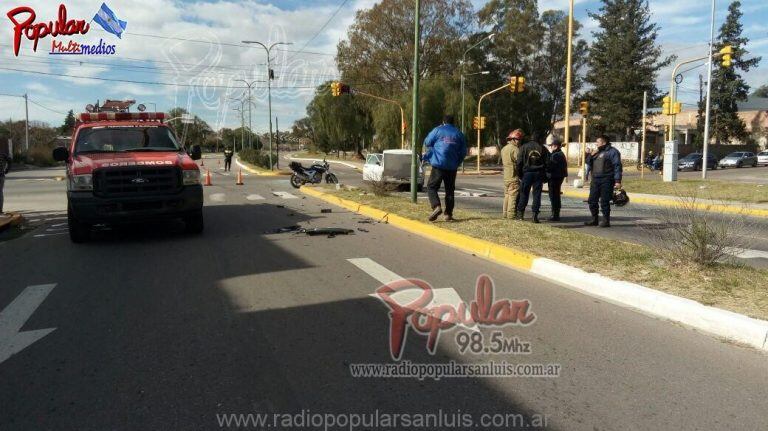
x,y
90,117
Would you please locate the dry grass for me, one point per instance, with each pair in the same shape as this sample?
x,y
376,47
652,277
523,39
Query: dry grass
x,y
737,288
717,190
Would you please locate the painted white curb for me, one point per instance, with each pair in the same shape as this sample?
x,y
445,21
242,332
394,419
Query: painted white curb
x,y
722,323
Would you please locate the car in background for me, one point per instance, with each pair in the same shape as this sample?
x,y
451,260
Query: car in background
x,y
762,158
693,162
391,167
738,159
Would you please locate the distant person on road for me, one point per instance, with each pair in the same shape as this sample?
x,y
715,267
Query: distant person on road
x,y
511,176
228,153
532,163
604,165
5,165
445,148
558,172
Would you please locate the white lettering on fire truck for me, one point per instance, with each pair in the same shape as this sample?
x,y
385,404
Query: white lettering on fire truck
x,y
139,163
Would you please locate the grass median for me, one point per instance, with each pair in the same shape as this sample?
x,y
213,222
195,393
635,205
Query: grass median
x,y
716,190
738,288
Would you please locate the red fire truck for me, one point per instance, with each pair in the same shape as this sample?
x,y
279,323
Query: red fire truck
x,y
129,167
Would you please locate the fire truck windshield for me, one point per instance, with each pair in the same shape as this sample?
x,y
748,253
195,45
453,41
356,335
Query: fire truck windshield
x,y
125,139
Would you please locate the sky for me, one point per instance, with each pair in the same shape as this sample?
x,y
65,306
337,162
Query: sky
x,y
193,50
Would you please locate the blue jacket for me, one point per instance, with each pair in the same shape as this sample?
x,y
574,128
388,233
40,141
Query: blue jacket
x,y
445,147
605,163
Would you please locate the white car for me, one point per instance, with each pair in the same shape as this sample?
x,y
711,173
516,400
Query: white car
x,y
762,158
392,167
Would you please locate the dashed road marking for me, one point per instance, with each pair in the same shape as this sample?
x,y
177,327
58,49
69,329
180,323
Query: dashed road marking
x,y
15,315
284,195
255,197
218,197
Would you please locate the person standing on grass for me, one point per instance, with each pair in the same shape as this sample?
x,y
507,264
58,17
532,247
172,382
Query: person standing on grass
x,y
558,172
445,148
228,153
604,165
532,164
511,176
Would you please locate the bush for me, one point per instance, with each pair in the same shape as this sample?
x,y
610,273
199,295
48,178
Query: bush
x,y
256,157
38,155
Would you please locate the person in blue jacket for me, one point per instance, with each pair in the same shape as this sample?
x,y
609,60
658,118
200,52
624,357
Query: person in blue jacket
x,y
445,148
605,167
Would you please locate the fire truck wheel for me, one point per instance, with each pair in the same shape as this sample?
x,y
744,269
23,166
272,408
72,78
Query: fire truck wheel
x,y
194,223
78,232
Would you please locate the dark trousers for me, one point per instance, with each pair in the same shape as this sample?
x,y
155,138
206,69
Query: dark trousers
x,y
227,164
446,177
601,190
555,186
532,182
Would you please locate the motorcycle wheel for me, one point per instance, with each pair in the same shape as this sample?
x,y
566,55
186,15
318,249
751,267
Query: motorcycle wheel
x,y
296,182
331,179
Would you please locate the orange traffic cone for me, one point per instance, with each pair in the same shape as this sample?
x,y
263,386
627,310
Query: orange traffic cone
x,y
202,162
208,181
239,181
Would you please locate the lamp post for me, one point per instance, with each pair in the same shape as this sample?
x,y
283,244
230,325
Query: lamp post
x,y
415,110
463,62
569,60
270,76
250,104
705,150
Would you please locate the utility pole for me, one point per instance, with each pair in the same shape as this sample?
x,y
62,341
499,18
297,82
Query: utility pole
x,y
567,118
26,127
705,151
277,146
415,118
642,146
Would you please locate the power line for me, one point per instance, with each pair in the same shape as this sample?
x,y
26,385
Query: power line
x,y
47,108
321,29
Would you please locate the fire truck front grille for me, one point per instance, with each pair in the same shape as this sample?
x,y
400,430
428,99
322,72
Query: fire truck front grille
x,y
136,181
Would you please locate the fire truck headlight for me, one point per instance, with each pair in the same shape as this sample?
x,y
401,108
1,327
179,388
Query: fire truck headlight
x,y
191,177
81,182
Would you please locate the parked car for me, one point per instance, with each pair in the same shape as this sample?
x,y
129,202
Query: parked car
x,y
693,162
738,160
762,158
391,167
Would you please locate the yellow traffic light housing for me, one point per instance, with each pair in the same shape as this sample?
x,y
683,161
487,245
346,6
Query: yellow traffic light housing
x,y
727,56
478,123
666,107
520,84
584,108
678,107
335,89
516,84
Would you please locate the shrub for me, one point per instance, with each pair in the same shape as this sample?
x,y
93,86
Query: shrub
x,y
256,157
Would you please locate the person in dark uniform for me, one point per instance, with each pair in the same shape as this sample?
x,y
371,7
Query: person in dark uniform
x,y
558,172
532,162
604,165
228,153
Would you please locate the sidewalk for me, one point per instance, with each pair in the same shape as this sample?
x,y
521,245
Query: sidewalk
x,y
720,206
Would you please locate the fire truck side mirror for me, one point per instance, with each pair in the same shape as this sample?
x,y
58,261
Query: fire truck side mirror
x,y
196,153
60,154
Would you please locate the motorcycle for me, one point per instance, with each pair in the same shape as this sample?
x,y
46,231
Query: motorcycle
x,y
312,175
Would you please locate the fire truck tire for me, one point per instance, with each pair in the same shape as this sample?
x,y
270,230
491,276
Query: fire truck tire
x,y
194,223
78,232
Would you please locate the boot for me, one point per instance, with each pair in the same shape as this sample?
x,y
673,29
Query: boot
x,y
435,213
536,218
555,215
593,221
519,215
606,221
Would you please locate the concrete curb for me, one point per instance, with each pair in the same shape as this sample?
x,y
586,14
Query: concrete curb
x,y
10,219
256,171
714,321
672,203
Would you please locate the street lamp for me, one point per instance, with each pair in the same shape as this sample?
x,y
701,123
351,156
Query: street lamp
x,y
250,103
463,62
270,76
569,60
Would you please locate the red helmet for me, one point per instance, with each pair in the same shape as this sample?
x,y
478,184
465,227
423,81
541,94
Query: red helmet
x,y
516,134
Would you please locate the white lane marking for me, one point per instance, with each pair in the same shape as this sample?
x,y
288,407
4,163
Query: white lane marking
x,y
58,225
218,197
284,195
447,296
57,229
16,314
50,234
255,197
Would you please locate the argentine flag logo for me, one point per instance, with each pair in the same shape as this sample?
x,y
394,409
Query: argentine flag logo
x,y
109,22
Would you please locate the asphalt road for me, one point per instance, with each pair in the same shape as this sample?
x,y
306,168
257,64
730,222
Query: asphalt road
x,y
643,224
155,329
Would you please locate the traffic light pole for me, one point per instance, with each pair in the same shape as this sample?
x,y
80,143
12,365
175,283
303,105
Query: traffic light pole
x,y
415,110
705,144
673,94
402,113
479,130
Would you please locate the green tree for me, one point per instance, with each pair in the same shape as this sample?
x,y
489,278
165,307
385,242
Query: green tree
x,y
761,91
728,87
340,123
624,61
68,127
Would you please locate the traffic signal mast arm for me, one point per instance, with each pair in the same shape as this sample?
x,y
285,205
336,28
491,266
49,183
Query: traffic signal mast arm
x,y
337,89
515,86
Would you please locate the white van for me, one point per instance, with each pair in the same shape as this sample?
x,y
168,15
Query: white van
x,y
392,167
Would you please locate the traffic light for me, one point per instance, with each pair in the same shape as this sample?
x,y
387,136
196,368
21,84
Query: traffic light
x,y
336,89
678,107
516,84
666,107
727,55
478,123
584,108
